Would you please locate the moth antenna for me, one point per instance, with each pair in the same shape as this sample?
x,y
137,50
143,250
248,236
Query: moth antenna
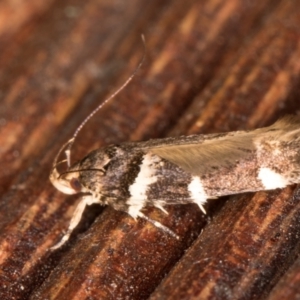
x,y
70,143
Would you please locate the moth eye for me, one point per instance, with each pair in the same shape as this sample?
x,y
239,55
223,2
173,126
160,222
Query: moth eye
x,y
75,184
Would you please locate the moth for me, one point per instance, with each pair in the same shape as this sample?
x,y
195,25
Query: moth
x,y
180,170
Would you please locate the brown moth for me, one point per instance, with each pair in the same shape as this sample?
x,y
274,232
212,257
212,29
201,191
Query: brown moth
x,y
180,170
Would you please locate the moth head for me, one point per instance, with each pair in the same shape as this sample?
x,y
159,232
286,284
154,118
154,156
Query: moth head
x,y
84,175
67,183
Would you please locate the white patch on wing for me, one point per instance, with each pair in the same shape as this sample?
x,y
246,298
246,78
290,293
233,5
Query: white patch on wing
x,y
197,192
272,180
138,190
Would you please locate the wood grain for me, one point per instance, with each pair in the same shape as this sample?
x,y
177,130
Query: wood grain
x,y
211,66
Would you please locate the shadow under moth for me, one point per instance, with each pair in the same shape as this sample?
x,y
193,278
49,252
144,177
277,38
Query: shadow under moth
x,y
180,170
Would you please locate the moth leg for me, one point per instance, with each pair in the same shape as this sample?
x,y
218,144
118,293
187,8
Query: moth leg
x,y
77,215
159,225
159,206
201,207
135,211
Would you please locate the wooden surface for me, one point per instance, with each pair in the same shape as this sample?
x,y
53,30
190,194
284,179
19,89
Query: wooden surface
x,y
211,66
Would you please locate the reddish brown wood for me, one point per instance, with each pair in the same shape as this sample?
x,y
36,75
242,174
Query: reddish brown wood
x,y
211,66
17,14
288,286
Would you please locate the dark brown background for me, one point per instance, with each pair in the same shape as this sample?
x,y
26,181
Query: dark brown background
x,y
211,66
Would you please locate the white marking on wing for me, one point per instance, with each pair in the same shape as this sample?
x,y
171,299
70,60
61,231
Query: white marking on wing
x,y
197,192
138,190
272,180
